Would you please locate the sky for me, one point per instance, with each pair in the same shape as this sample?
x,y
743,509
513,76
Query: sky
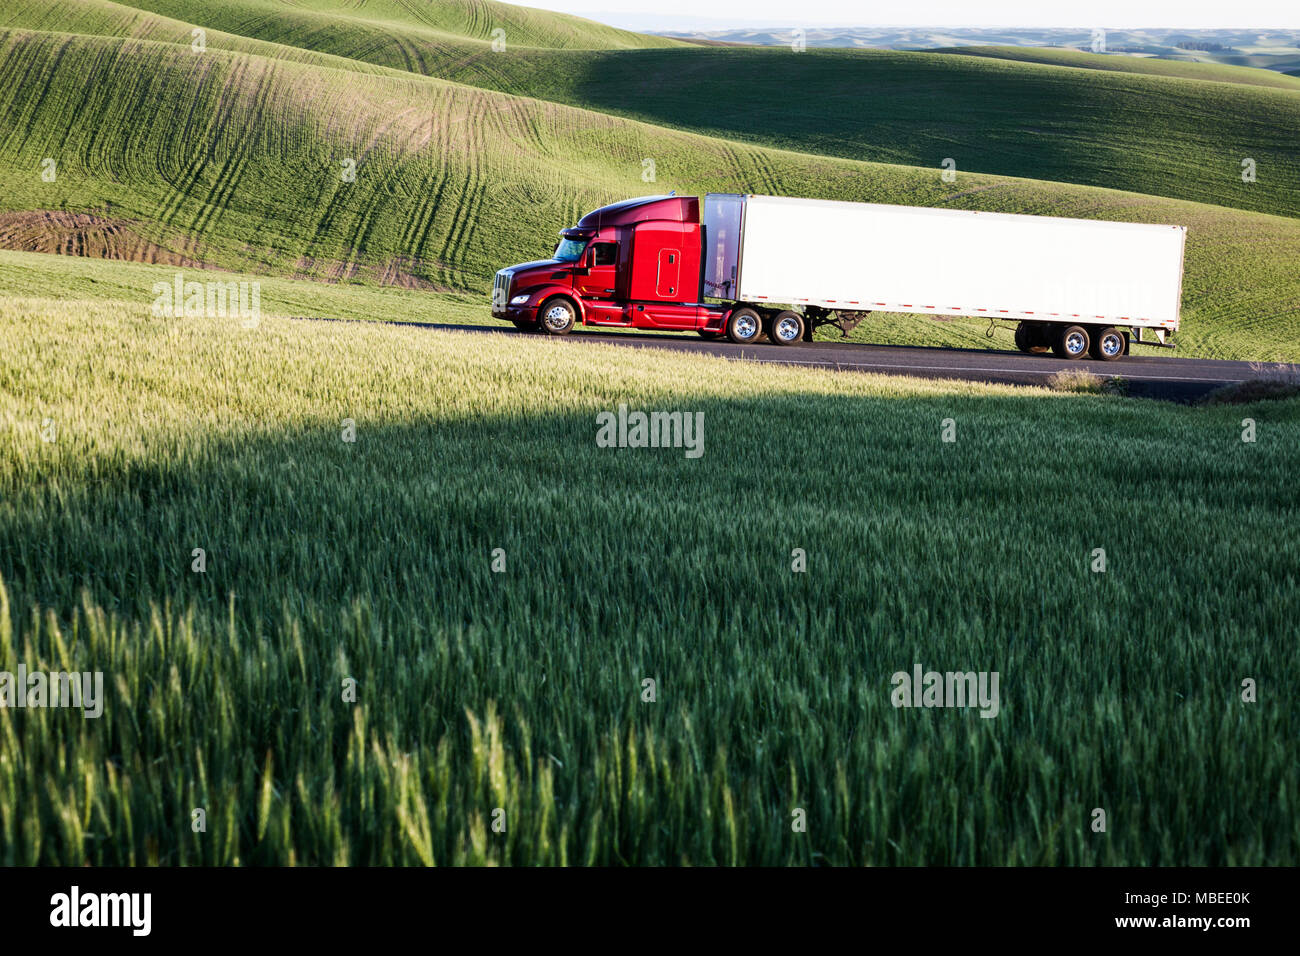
x,y
1110,14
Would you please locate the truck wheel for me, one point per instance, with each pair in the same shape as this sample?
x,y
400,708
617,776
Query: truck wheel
x,y
1028,339
786,328
1071,342
744,326
1108,344
558,316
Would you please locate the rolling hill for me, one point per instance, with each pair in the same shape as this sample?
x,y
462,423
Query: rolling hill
x,y
235,156
239,160
1179,130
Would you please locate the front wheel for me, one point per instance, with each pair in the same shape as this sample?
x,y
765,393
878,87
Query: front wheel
x,y
558,316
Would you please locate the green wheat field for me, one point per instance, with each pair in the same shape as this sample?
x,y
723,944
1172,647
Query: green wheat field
x,y
497,717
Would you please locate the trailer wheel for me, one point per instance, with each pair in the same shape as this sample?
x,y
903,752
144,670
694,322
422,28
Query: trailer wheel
x,y
1029,339
1108,344
786,328
558,316
744,326
1071,342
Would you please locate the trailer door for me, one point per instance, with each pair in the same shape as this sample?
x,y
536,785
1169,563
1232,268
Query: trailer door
x,y
723,213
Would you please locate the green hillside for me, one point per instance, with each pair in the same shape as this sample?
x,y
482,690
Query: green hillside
x,y
105,18
1163,128
408,23
405,35
236,160
1174,129
439,37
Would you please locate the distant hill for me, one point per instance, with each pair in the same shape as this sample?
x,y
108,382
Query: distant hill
x,y
1186,69
1181,134
1268,49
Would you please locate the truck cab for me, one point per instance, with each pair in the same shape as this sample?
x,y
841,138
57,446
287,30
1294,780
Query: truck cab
x,y
634,263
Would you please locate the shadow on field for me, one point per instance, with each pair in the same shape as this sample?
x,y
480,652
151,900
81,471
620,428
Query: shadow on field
x,y
460,568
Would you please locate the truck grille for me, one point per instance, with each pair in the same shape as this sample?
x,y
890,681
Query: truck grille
x,y
501,290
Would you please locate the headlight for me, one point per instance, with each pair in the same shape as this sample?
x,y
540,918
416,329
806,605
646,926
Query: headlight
x,y
520,299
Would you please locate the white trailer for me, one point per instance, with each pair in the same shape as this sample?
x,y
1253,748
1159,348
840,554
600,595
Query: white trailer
x,y
1072,285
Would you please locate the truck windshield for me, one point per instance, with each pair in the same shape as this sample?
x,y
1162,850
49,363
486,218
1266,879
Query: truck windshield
x,y
570,250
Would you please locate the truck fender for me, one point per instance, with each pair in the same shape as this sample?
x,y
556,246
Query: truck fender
x,y
545,292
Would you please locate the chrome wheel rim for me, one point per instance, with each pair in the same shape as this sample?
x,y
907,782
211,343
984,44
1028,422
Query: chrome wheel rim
x,y
1111,345
1074,343
557,317
746,327
787,330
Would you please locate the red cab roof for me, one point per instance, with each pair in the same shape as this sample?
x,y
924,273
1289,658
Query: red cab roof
x,y
643,209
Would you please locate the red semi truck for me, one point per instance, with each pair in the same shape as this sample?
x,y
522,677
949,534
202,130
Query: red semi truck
x,y
750,268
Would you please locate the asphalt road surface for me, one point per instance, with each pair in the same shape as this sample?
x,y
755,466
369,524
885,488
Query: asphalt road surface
x,y
1148,376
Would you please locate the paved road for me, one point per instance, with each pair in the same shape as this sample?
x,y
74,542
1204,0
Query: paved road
x,y
1149,376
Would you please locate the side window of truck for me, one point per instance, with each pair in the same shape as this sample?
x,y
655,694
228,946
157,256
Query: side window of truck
x,y
604,254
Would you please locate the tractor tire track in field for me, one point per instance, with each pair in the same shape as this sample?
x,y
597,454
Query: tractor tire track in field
x,y
765,171
223,189
412,57
325,223
204,149
415,239
528,120
386,181
474,188
103,63
736,167
49,67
